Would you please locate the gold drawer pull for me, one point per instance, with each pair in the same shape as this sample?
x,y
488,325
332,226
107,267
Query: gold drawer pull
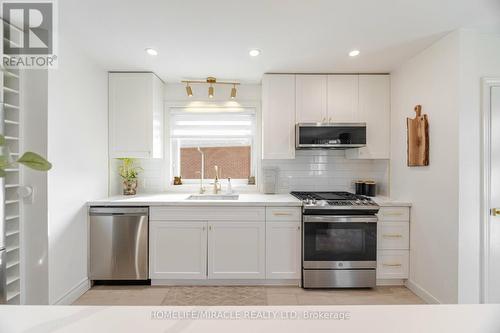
x,y
392,265
392,235
392,214
282,214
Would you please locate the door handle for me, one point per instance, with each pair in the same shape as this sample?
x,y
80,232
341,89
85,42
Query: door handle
x,y
495,211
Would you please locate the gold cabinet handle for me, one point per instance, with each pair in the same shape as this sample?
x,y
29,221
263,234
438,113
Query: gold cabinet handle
x,y
210,227
298,228
392,235
282,214
393,214
392,265
495,211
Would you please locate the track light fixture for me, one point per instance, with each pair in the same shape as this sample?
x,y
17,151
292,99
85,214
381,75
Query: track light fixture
x,y
211,81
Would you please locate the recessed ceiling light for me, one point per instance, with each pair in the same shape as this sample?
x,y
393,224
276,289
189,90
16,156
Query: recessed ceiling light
x,y
354,53
151,51
254,52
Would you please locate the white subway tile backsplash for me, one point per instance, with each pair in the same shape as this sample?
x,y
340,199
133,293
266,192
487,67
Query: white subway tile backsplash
x,y
322,170
311,170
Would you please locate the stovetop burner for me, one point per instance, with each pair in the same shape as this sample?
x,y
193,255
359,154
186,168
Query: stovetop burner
x,y
327,195
336,203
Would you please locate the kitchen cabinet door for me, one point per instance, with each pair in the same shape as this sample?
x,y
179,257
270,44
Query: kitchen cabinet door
x,y
135,115
342,98
311,91
374,109
278,116
283,250
236,250
178,250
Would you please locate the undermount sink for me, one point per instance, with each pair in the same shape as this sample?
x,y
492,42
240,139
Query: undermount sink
x,y
213,197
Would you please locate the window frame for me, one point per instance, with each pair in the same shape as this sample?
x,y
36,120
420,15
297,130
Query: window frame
x,y
194,184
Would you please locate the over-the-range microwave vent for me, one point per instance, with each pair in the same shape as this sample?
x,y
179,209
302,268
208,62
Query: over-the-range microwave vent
x,y
330,135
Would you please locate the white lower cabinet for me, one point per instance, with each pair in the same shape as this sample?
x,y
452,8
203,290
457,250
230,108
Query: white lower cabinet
x,y
225,243
283,250
236,250
393,244
178,250
392,264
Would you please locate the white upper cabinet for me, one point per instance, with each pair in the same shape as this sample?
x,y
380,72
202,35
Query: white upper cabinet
x,y
278,116
374,109
311,98
135,115
342,98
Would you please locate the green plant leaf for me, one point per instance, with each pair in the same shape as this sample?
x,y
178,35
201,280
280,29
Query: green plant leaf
x,y
34,161
2,173
2,140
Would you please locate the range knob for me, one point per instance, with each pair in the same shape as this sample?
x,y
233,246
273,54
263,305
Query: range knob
x,y
313,201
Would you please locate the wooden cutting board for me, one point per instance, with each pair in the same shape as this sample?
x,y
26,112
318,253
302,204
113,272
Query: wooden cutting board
x,y
418,139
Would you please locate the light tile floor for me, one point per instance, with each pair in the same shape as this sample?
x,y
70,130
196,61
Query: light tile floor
x,y
202,295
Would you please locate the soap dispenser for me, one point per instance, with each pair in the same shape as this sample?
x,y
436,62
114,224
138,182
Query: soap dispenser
x,y
229,187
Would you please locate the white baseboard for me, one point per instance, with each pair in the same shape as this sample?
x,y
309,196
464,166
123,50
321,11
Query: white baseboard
x,y
71,296
220,282
421,292
390,282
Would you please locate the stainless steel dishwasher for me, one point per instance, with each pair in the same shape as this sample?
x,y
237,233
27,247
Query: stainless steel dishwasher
x,y
118,243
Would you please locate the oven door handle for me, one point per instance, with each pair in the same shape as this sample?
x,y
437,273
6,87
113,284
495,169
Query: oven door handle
x,y
340,219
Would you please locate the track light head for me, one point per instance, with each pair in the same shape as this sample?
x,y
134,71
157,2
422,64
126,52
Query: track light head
x,y
233,92
189,91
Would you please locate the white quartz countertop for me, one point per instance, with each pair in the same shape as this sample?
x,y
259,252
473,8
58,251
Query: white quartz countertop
x,y
180,199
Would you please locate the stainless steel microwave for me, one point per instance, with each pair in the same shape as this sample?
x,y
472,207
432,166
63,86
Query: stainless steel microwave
x,y
330,135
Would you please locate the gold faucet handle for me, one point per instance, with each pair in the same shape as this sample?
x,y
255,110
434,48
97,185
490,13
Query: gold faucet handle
x,y
495,211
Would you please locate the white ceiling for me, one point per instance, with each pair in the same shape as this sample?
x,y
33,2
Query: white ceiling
x,y
196,39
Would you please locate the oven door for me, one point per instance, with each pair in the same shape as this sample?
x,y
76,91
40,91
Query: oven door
x,y
339,242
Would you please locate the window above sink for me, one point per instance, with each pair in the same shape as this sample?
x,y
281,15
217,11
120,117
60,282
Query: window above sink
x,y
226,138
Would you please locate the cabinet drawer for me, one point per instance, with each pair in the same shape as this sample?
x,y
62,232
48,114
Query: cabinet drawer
x,y
283,214
394,214
392,264
207,213
393,236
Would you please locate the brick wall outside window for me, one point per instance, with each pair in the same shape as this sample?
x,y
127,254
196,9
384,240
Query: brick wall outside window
x,y
233,162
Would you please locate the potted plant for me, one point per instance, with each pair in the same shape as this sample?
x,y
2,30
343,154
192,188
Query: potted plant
x,y
129,172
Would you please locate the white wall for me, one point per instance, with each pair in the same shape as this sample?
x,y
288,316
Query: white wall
x,y
431,79
480,57
35,224
78,150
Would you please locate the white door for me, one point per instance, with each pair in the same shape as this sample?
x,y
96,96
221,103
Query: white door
x,y
236,250
492,290
178,250
343,98
278,116
310,97
283,250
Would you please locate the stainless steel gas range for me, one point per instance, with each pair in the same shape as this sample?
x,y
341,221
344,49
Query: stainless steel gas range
x,y
339,240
